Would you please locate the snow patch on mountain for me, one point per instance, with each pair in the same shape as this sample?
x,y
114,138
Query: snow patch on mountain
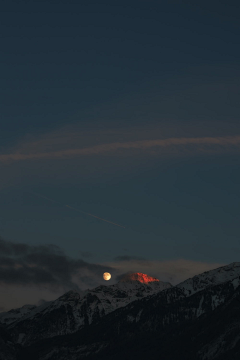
x,y
210,278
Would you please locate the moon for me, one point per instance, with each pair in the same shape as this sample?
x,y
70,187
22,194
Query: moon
x,y
107,276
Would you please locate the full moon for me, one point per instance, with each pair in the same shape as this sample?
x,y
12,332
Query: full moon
x,y
107,276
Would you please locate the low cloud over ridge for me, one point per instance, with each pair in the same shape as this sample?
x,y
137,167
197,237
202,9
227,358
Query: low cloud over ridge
x,y
29,274
173,271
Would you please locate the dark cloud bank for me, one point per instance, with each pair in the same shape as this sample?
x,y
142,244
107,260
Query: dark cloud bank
x,y
22,264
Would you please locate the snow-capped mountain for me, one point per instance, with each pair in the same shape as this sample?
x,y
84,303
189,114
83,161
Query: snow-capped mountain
x,y
73,311
153,325
210,278
16,314
137,318
130,288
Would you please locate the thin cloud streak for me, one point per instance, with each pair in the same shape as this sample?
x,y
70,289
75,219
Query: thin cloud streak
x,y
96,217
198,142
83,212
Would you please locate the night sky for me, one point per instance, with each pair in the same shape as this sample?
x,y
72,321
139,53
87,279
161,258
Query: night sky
x,y
128,111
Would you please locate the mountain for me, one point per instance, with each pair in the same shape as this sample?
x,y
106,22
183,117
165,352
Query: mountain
x,y
137,318
8,350
14,315
73,311
210,278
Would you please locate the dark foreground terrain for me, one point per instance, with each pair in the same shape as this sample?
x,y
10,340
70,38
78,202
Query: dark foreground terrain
x,y
197,319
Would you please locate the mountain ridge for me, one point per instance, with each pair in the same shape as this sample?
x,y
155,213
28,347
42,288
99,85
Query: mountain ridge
x,y
98,322
72,310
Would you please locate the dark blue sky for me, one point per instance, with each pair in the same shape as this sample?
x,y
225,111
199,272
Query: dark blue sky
x,y
59,58
92,75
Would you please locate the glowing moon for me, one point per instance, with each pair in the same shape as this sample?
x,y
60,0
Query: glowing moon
x,y
107,276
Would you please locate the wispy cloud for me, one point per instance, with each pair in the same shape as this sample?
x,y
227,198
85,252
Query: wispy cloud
x,y
202,144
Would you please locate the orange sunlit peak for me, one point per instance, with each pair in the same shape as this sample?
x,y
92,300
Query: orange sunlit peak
x,y
143,278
